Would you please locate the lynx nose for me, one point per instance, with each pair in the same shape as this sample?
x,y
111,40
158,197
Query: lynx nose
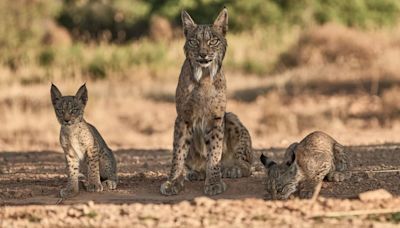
x,y
67,117
203,55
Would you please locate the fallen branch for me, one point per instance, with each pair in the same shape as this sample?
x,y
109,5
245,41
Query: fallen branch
x,y
336,214
375,171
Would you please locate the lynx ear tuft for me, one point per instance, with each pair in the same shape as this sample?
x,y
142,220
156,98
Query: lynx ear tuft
x,y
82,94
55,94
266,161
187,22
221,23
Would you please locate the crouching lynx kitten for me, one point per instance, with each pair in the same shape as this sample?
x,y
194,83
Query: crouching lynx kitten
x,y
305,165
209,143
84,148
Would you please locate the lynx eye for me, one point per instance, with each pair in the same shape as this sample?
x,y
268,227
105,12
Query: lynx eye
x,y
213,42
193,43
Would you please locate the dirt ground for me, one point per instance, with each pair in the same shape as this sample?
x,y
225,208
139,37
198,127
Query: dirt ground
x,y
30,182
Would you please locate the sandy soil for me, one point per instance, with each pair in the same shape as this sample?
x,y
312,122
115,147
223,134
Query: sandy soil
x,y
35,178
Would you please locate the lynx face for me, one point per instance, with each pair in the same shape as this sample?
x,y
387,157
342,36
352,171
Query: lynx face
x,y
69,109
205,45
281,181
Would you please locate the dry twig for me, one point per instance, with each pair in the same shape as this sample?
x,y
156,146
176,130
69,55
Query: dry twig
x,y
337,214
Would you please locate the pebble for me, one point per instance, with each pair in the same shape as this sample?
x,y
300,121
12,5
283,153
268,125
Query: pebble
x,y
379,194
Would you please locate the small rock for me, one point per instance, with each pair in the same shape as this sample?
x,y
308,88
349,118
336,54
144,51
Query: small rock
x,y
379,194
90,203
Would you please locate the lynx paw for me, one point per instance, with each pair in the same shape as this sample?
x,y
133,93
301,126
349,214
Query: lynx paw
x,y
232,172
341,166
336,177
195,175
215,188
94,187
169,188
68,192
109,184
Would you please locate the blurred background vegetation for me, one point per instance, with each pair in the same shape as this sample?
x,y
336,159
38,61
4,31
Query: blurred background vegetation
x,y
92,38
293,65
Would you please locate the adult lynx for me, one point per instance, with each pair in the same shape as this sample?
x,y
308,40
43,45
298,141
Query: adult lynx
x,y
209,143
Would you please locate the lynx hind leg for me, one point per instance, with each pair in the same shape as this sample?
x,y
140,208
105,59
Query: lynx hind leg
x,y
341,158
238,154
108,170
341,164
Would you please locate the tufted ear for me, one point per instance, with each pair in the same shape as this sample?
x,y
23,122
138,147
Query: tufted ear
x,y
290,154
266,161
82,94
187,22
221,23
55,94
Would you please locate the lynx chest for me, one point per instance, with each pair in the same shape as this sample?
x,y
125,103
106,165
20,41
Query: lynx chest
x,y
76,140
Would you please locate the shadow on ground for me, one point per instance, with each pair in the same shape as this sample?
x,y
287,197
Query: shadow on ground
x,y
36,177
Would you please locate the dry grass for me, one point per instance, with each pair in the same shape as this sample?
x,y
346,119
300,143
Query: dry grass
x,y
344,82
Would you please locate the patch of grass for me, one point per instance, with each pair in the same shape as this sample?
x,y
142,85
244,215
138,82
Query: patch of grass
x,y
34,218
46,57
395,218
254,67
97,69
358,13
260,218
31,80
91,214
147,217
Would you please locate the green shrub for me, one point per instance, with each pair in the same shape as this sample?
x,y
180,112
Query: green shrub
x,y
116,20
21,29
97,68
46,57
121,20
358,13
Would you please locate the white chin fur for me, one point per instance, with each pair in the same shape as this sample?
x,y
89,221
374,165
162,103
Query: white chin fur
x,y
212,69
198,73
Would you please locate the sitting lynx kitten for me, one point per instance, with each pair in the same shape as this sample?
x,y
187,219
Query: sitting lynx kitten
x,y
84,148
307,163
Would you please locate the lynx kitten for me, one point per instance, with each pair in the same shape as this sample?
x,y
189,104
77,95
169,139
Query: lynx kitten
x,y
307,163
84,148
